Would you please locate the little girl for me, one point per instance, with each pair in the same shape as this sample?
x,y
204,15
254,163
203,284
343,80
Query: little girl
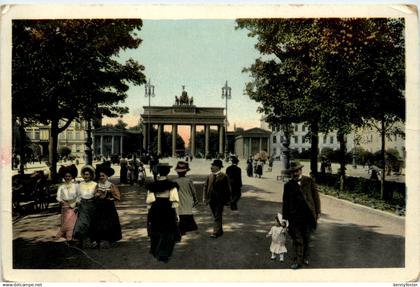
x,y
278,238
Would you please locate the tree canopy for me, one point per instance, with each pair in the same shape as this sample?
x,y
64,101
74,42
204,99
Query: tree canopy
x,y
67,69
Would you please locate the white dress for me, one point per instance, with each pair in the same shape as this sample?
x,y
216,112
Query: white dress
x,y
278,239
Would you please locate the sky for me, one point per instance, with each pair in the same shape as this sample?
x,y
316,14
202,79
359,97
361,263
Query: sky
x,y
200,54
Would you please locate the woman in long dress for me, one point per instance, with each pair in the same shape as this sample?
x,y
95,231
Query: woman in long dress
x,y
86,208
187,199
67,196
106,228
162,199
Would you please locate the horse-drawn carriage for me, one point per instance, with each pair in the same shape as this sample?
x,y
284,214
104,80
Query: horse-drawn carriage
x,y
30,189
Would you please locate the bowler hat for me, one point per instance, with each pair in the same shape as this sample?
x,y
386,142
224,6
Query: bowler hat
x,y
234,159
218,163
295,165
182,166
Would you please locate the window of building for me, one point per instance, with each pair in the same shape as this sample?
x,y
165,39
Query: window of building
x,y
325,139
274,139
303,128
331,139
296,140
303,139
69,135
77,148
37,134
78,135
296,128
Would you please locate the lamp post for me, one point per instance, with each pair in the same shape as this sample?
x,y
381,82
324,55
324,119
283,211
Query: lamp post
x,y
226,93
149,91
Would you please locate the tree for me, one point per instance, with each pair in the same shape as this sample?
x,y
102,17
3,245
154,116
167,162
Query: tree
x,y
325,71
121,125
69,67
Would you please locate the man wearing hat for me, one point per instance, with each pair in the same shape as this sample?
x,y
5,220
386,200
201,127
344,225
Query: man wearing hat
x,y
234,174
302,208
217,194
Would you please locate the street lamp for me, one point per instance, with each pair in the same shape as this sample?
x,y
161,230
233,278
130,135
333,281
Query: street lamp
x,y
149,91
226,93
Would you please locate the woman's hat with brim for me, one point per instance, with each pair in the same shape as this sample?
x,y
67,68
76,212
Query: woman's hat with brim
x,y
279,217
105,169
182,166
295,165
88,168
163,168
72,169
218,163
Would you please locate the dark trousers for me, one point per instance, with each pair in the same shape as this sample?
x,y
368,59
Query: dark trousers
x,y
217,210
236,195
301,235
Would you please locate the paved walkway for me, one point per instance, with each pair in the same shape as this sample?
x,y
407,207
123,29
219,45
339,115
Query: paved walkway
x,y
348,236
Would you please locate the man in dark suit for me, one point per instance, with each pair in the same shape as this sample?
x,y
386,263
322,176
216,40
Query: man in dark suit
x,y
235,179
217,194
302,208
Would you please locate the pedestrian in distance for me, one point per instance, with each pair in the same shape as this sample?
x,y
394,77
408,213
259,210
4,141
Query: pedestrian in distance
x,y
278,238
86,207
68,196
162,220
249,167
123,170
234,174
187,198
301,208
105,226
217,194
259,168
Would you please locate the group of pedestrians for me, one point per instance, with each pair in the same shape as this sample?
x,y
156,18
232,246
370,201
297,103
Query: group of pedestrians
x,y
171,203
254,167
88,214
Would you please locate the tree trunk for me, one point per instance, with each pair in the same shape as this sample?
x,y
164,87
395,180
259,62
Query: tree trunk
x,y
88,150
314,148
22,147
52,148
341,140
383,157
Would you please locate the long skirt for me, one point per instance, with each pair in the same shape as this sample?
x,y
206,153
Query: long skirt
x,y
68,220
105,222
162,228
86,210
187,223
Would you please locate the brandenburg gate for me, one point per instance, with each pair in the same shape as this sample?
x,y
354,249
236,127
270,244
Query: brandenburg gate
x,y
184,113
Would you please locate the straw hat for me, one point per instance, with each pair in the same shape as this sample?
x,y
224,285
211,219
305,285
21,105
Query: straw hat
x,y
295,165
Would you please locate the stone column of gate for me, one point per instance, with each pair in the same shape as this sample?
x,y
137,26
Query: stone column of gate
x,y
145,137
193,140
206,140
260,144
174,135
102,145
159,139
221,139
112,145
121,145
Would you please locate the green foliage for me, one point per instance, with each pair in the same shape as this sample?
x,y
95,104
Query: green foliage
x,y
66,69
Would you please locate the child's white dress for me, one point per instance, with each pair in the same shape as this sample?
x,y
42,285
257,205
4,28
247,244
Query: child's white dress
x,y
278,239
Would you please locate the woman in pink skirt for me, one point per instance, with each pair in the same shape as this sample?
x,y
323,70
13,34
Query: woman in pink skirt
x,y
67,196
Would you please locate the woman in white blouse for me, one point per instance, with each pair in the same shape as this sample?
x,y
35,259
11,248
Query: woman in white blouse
x,y
162,219
86,207
67,196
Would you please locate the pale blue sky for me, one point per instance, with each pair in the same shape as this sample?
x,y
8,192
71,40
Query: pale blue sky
x,y
200,54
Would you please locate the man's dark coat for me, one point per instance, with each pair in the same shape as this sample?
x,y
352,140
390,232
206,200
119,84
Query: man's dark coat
x,y
292,205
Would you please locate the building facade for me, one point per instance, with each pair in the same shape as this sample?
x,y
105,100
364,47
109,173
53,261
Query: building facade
x,y
252,141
